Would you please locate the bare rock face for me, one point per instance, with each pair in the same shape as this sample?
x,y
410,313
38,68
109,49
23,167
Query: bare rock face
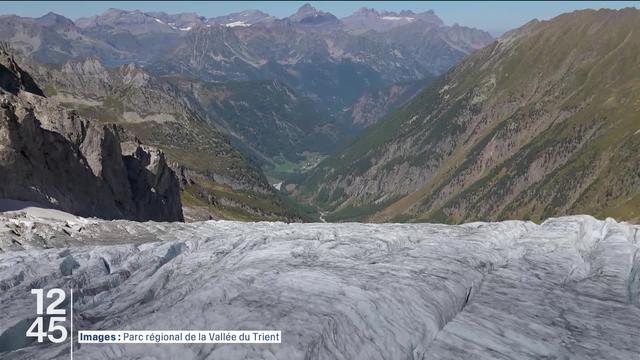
x,y
12,78
42,166
152,181
53,157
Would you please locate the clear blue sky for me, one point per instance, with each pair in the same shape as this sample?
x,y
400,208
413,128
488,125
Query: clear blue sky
x,y
493,16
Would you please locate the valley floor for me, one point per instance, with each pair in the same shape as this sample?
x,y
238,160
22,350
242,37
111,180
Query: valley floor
x,y
568,288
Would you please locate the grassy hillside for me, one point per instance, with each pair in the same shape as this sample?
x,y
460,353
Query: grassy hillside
x,y
543,122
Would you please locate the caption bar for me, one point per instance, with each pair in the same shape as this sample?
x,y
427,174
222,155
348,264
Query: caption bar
x,y
179,337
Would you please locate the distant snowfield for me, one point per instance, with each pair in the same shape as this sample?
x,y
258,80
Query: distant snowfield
x,y
396,18
569,288
237,24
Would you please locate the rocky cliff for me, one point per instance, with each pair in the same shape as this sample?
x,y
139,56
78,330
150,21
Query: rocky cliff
x,y
53,156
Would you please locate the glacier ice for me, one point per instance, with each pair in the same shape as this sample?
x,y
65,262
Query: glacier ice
x,y
568,288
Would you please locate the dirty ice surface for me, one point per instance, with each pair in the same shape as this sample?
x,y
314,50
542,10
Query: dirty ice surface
x,y
568,288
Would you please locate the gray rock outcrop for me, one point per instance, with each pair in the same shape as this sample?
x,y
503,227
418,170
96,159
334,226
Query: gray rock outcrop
x,y
152,181
54,157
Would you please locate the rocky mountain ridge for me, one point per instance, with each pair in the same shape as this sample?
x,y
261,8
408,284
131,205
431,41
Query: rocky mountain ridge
x,y
367,19
317,54
334,67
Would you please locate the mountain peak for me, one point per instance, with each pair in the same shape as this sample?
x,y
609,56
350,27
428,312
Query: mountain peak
x,y
310,16
306,10
365,11
51,15
307,7
241,19
365,19
51,19
406,13
116,11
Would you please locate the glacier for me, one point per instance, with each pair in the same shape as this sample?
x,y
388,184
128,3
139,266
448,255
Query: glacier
x,y
568,288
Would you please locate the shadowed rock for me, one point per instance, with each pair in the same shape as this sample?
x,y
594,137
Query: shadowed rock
x,y
53,157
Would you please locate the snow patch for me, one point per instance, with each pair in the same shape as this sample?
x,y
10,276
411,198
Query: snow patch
x,y
237,24
398,18
33,210
172,25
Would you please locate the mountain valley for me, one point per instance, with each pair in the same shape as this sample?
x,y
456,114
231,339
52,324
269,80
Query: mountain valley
x,y
230,98
367,184
217,179
543,122
376,116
